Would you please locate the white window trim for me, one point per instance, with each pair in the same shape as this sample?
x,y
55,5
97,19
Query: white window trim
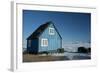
x,y
43,42
50,28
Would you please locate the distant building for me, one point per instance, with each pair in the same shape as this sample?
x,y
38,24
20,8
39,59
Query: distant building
x,y
44,38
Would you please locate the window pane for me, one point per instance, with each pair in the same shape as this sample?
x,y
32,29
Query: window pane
x,y
51,31
44,42
29,43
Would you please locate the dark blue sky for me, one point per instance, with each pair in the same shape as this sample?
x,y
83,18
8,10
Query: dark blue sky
x,y
71,26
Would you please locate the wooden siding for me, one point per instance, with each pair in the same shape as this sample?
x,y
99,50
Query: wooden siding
x,y
54,41
34,46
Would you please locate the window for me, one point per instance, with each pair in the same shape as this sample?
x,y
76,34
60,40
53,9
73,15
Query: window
x,y
51,31
29,43
44,42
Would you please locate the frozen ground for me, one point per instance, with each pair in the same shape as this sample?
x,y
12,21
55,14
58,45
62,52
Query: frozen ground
x,y
74,56
77,56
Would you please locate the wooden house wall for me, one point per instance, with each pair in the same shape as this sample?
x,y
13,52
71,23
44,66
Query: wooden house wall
x,y
54,41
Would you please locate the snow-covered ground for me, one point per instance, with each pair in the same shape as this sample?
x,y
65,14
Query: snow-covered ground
x,y
72,47
73,56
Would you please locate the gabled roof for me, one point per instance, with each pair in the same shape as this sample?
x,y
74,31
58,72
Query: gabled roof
x,y
40,30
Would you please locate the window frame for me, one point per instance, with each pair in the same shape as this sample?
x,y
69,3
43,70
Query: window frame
x,y
50,33
43,42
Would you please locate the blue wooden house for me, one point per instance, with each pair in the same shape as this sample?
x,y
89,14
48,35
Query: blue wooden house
x,y
44,38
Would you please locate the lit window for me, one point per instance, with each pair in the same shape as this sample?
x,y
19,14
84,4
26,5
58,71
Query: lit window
x,y
44,42
51,31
